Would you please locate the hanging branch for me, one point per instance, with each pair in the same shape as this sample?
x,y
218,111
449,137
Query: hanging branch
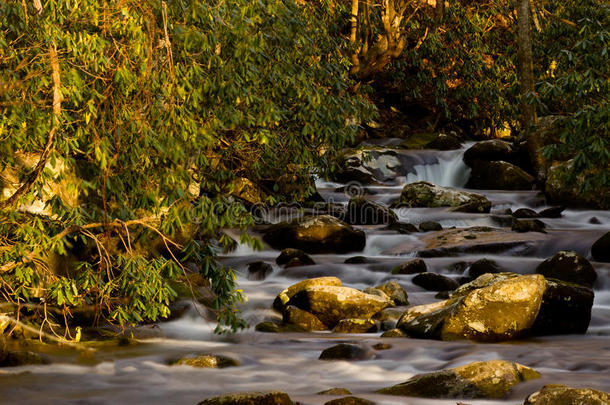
x,y
33,176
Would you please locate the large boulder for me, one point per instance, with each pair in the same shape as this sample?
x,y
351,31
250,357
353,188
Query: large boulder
x,y
444,142
364,212
488,379
315,234
499,175
332,304
568,266
424,194
250,398
490,150
283,297
600,250
555,394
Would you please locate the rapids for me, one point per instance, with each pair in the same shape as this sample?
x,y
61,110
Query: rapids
x,y
140,374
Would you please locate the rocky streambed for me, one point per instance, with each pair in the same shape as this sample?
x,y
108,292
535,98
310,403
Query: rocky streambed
x,y
453,294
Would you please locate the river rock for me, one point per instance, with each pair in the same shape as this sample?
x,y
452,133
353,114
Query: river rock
x,y
499,175
505,310
429,226
528,225
289,254
600,250
364,212
345,351
259,270
303,319
484,280
488,379
283,297
568,266
315,234
481,267
395,291
274,327
332,304
444,142
250,398
207,361
426,321
411,267
552,212
424,194
335,391
356,326
394,333
435,282
525,213
359,260
555,394
349,401
402,227
490,150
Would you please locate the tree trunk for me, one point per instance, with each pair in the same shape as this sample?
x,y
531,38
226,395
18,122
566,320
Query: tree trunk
x,y
526,64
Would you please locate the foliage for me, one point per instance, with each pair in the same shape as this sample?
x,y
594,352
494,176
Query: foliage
x,y
156,98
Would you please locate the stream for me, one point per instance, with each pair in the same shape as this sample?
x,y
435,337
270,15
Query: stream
x,y
140,374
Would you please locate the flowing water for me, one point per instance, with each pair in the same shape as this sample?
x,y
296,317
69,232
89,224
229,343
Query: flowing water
x,y
140,374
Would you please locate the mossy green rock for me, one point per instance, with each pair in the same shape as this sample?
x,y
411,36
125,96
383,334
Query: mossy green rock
x,y
207,361
489,379
283,297
395,291
424,194
554,394
335,391
250,398
349,401
356,326
302,319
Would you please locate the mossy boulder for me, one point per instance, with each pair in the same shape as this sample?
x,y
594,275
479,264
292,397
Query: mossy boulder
x,y
555,394
488,379
315,234
489,150
250,398
207,361
349,401
303,319
332,304
352,325
425,194
499,175
290,254
364,212
568,266
283,297
444,142
414,266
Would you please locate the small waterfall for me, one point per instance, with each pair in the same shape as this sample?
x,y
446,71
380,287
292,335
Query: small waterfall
x,y
449,170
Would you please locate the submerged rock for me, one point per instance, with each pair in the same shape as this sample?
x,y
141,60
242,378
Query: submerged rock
x,y
356,326
345,351
489,379
259,270
250,398
424,194
429,226
525,213
435,282
552,212
315,234
283,297
289,254
568,266
600,250
364,212
555,394
499,175
207,361
402,227
411,267
359,260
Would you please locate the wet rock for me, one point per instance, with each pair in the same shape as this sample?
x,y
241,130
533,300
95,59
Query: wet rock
x,y
429,226
424,194
484,280
499,175
349,401
335,391
207,361
559,189
489,379
250,398
354,192
382,346
528,225
551,212
315,234
363,212
594,221
259,270
442,295
283,297
402,227
481,267
490,150
600,250
397,294
555,394
295,262
394,333
444,142
427,321
273,327
568,266
22,358
458,267
289,254
359,260
525,213
345,351
303,319
565,309
332,304
505,310
435,282
411,267
356,326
